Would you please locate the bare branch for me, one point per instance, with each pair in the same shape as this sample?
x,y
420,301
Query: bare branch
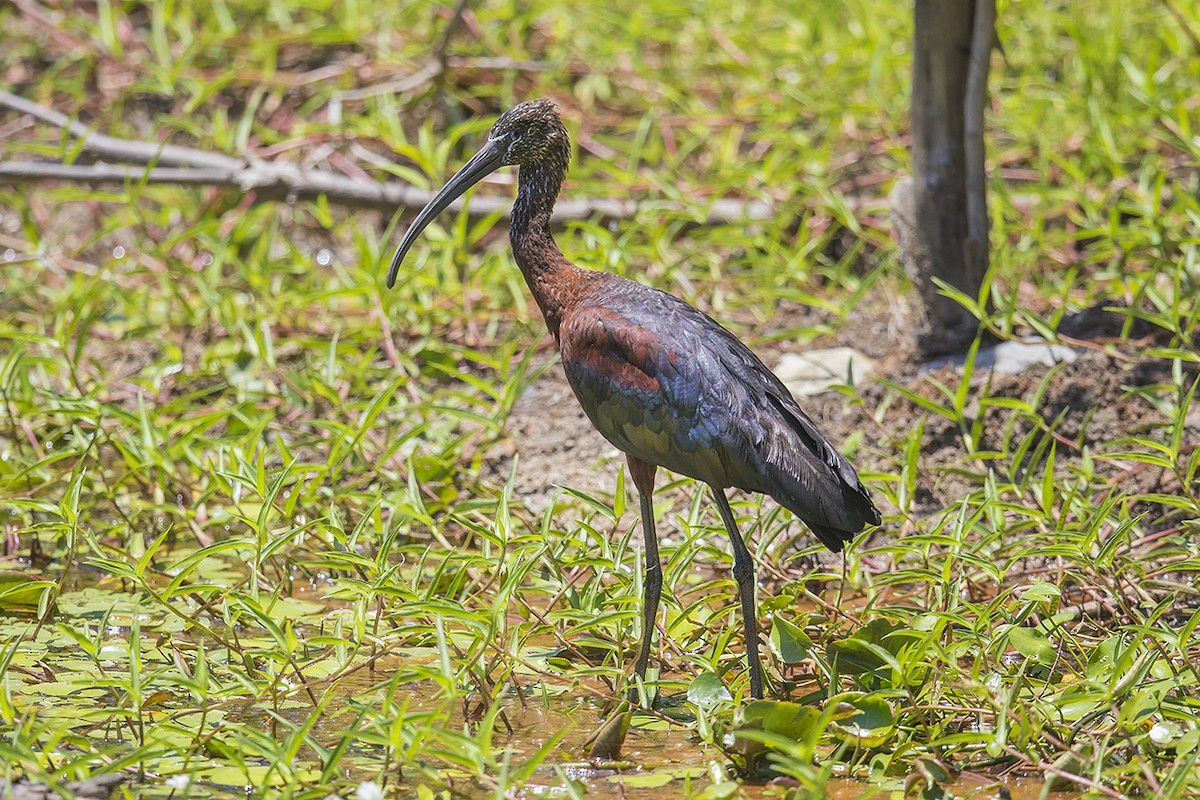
x,y
400,86
100,146
291,183
191,167
279,181
501,62
456,18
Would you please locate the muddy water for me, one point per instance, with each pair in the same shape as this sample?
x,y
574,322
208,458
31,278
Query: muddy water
x,y
661,760
665,763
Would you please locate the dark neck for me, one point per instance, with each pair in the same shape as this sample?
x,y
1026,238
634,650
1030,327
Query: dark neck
x,y
554,282
537,190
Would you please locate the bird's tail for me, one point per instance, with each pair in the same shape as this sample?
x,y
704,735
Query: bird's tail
x,y
856,512
818,485
832,538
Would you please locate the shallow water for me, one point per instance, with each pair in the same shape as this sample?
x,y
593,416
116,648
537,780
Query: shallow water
x,y
660,760
661,757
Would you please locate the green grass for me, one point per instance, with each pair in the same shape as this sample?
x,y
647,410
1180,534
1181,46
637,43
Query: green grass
x,y
252,536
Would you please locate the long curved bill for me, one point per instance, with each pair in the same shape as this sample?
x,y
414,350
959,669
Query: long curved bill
x,y
487,160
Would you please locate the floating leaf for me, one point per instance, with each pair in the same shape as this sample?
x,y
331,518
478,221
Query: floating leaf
x,y
296,609
606,743
706,690
927,777
655,779
765,722
870,724
1077,705
720,791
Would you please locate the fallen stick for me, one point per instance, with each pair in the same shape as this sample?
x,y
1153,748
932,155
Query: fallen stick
x,y
101,146
152,162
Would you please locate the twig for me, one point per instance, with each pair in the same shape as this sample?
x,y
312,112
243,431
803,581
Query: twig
x,y
400,86
431,69
101,146
286,181
1067,776
292,183
439,53
174,164
503,62
1183,23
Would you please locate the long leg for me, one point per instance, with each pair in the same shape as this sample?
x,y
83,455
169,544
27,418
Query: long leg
x,y
743,573
643,478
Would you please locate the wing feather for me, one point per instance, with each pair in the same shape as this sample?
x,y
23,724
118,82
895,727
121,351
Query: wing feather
x,y
666,383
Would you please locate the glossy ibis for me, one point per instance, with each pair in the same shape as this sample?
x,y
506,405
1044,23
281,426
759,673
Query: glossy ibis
x,y
662,381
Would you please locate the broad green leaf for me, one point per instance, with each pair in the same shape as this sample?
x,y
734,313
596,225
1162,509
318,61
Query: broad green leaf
x,y
1033,644
790,643
870,724
706,690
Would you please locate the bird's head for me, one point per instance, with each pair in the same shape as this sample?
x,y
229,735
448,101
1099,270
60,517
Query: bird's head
x,y
529,134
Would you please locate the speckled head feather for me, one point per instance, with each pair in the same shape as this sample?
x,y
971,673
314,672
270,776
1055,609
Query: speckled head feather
x,y
533,132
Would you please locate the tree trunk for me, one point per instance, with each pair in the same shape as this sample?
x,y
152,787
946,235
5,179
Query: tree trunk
x,y
941,213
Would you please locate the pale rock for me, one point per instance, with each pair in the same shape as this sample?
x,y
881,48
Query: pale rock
x,y
814,371
1010,358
